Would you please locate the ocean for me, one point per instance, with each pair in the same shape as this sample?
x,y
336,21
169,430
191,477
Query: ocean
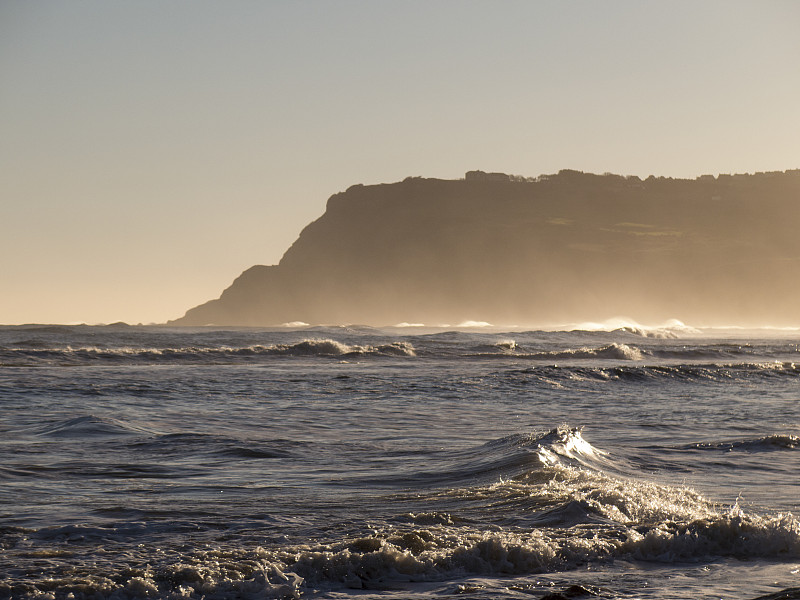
x,y
401,462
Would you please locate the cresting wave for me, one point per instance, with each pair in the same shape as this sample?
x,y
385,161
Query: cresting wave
x,y
564,376
627,351
613,351
333,348
93,354
672,328
568,513
504,349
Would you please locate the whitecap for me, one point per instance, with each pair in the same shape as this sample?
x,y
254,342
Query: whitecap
x,y
475,324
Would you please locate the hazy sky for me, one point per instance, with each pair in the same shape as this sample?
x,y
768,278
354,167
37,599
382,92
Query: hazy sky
x,y
150,151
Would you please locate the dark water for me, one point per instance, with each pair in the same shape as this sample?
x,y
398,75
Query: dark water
x,y
398,463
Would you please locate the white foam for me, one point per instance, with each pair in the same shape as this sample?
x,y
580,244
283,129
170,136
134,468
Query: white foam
x,y
669,329
509,345
474,324
329,347
611,351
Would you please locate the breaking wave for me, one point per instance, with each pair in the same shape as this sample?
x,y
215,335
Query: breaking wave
x,y
386,558
568,511
563,488
328,347
671,329
570,375
93,354
611,351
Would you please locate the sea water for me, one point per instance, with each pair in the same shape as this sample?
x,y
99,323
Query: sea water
x,y
406,462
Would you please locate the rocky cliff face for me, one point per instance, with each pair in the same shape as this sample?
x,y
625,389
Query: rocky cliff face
x,y
561,248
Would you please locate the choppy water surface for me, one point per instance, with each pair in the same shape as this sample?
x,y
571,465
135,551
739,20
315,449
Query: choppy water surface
x,y
398,463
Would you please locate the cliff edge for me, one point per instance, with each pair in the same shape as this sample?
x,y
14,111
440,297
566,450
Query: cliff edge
x,y
559,248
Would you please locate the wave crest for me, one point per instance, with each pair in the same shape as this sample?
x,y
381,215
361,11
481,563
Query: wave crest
x,y
93,426
763,444
671,329
577,376
568,514
310,347
614,351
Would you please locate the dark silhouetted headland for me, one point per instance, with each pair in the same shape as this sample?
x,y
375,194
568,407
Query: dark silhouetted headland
x,y
559,248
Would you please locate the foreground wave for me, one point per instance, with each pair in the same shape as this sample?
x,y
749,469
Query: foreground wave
x,y
551,507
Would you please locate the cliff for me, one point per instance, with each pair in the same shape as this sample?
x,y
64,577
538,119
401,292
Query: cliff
x,y
567,247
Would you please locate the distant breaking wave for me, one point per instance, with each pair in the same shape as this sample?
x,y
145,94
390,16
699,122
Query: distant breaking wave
x,y
673,328
578,376
90,354
608,363
333,348
611,351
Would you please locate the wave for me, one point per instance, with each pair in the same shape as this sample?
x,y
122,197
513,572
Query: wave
x,y
553,500
474,324
92,426
352,328
328,347
92,354
627,351
792,593
388,558
723,351
611,352
510,348
567,512
767,443
96,345
504,348
567,367
566,376
673,328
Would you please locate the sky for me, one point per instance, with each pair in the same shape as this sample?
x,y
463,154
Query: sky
x,y
151,151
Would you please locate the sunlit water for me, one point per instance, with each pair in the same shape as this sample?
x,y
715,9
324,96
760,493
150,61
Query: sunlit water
x,y
398,463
